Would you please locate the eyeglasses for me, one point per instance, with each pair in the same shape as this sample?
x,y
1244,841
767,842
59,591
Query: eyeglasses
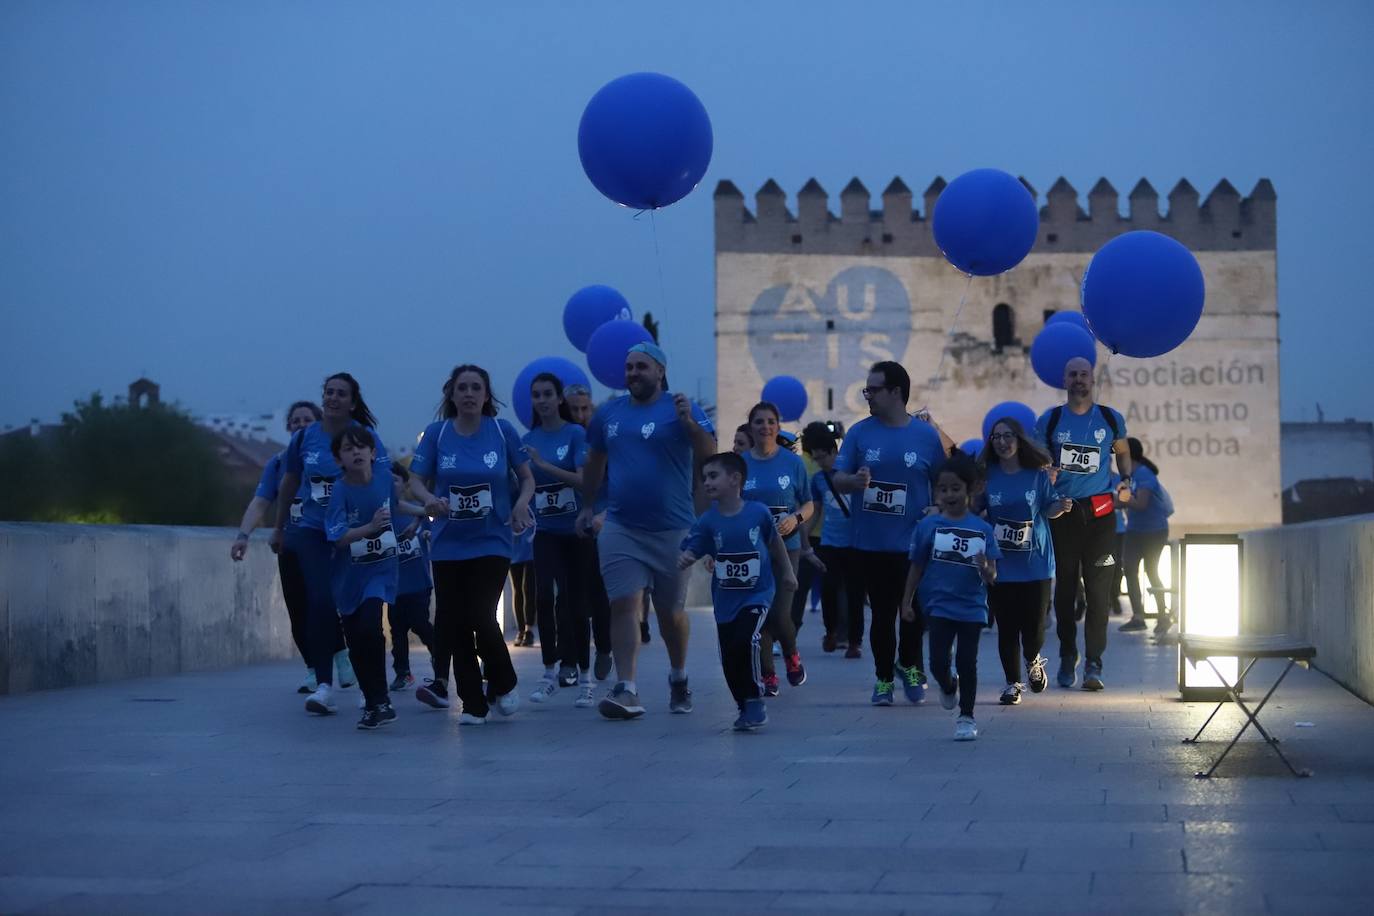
x,y
869,392
1003,437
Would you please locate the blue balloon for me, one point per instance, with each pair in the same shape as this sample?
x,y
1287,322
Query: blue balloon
x,y
569,373
1054,346
607,348
1071,317
588,309
1013,409
1143,294
645,140
789,394
971,447
985,222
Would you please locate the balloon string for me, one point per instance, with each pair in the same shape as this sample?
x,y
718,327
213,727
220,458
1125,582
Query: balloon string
x,y
658,261
944,348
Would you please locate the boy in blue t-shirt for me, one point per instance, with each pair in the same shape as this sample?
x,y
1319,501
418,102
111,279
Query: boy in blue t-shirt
x,y
738,535
953,561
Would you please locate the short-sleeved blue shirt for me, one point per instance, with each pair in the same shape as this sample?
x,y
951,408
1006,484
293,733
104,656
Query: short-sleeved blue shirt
x,y
780,483
739,544
837,522
413,555
269,485
309,455
1016,508
367,568
951,585
901,460
557,503
1152,517
1082,449
649,461
474,474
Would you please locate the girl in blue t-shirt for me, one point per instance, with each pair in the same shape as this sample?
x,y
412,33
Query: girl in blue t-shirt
x,y
557,448
1018,502
409,613
470,458
844,623
750,566
953,558
777,478
298,416
1147,534
364,567
310,474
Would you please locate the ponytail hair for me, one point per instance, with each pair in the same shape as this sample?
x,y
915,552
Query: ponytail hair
x,y
1137,450
360,412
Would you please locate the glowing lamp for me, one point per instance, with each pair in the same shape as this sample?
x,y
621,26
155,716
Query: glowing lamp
x,y
1209,605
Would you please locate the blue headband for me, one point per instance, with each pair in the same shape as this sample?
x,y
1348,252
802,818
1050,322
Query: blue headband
x,y
651,350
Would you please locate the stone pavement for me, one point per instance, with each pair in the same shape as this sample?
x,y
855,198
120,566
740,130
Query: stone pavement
x,y
215,793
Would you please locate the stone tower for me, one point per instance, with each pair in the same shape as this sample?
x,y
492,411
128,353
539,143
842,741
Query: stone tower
x,y
821,297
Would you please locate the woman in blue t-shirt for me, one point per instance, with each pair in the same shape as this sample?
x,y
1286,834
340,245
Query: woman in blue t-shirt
x,y
556,447
1147,534
298,416
310,474
777,478
1018,502
468,456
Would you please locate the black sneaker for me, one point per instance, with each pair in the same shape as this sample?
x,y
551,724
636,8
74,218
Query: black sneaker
x,y
601,668
620,703
644,631
1092,676
679,697
1134,625
1036,674
433,693
567,677
377,716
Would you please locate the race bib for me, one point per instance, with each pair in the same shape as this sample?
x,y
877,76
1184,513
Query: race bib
x,y
554,499
958,545
321,488
1079,459
778,512
410,547
738,570
296,510
381,546
885,498
469,502
1013,535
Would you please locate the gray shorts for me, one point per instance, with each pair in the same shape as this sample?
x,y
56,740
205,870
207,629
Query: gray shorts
x,y
633,559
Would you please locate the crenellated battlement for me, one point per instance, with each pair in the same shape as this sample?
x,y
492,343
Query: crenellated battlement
x,y
1225,221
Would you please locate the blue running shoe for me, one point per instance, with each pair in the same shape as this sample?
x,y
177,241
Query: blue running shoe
x,y
913,683
882,693
755,714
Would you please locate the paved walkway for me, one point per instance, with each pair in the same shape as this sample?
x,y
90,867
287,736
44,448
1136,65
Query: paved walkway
x,y
215,793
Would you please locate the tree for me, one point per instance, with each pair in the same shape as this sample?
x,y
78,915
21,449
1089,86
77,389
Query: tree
x,y
650,325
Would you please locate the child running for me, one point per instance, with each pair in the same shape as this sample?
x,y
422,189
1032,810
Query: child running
x,y
736,535
410,612
953,560
365,568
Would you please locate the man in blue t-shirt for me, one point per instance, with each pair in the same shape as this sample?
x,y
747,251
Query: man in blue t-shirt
x,y
886,460
651,441
1081,437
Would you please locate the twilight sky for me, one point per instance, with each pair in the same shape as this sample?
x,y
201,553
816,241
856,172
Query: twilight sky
x,y
237,198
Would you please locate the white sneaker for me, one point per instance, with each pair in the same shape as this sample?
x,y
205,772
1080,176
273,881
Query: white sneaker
x,y
546,688
965,729
508,703
777,650
951,699
584,696
344,668
309,684
468,718
321,702
362,700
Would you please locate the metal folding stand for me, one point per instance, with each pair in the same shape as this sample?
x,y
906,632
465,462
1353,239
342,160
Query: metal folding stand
x,y
1202,649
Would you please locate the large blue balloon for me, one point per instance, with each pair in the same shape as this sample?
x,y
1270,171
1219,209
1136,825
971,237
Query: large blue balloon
x,y
569,373
1014,409
645,140
1054,346
588,309
1143,294
985,222
789,394
1071,317
971,447
608,346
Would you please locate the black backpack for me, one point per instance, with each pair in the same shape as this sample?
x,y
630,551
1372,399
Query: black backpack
x,y
1053,421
